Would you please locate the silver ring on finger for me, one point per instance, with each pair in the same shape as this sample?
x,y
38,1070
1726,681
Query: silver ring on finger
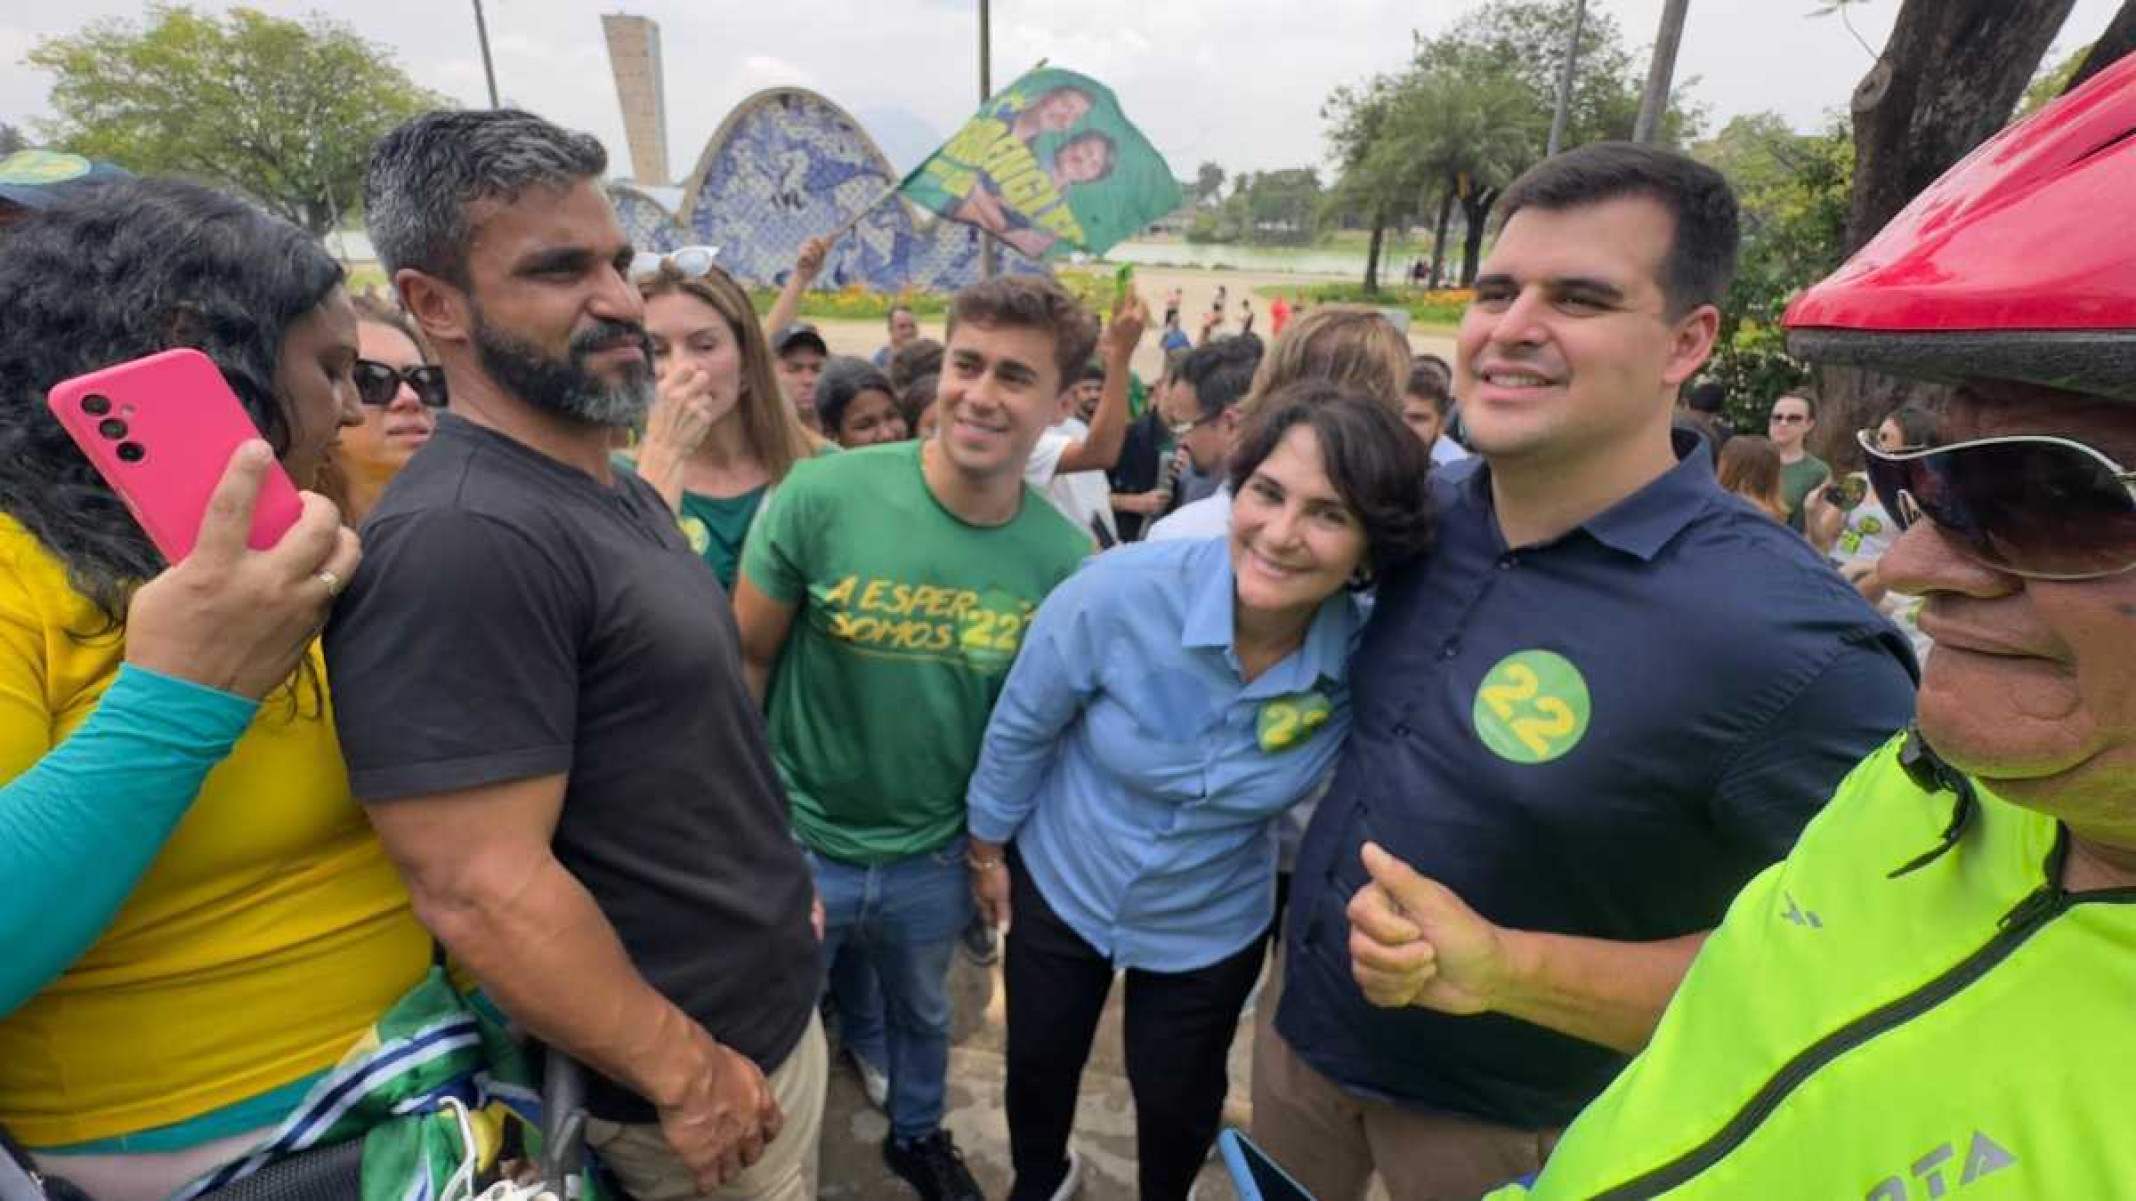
x,y
333,582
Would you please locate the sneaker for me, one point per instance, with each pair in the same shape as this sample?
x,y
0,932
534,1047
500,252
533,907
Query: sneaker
x,y
933,1167
982,943
873,1080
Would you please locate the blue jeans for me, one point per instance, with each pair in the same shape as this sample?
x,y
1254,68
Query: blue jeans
x,y
859,1001
905,916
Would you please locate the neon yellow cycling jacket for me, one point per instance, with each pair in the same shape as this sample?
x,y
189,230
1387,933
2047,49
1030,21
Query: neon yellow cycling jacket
x,y
1907,1008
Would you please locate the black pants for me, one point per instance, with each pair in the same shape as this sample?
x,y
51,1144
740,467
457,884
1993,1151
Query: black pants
x,y
1179,1028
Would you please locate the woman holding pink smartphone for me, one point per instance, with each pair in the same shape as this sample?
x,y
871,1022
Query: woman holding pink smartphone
x,y
199,920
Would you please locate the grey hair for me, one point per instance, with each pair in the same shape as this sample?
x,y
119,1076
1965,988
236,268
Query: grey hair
x,y
424,175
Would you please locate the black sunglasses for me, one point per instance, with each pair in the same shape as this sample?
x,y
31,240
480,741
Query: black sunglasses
x,y
2036,506
376,383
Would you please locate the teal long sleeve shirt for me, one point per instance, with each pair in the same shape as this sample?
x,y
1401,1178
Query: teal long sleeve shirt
x,y
81,826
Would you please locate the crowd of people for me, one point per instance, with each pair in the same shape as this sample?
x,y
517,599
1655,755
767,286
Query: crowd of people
x,y
1586,823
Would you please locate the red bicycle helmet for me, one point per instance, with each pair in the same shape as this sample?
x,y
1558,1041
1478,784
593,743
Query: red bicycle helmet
x,y
2019,263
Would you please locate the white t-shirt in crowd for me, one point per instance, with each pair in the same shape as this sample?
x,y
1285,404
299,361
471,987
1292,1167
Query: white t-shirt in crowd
x,y
1209,517
1865,534
1084,497
1445,450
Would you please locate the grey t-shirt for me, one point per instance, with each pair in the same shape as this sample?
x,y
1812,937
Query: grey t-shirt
x,y
516,618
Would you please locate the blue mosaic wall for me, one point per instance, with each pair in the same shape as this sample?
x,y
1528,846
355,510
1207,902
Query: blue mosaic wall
x,y
786,165
649,224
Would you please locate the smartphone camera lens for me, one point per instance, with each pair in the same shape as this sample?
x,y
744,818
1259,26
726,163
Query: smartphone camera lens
x,y
112,428
96,406
131,452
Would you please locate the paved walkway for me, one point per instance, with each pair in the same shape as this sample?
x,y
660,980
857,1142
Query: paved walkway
x,y
1199,288
1105,1123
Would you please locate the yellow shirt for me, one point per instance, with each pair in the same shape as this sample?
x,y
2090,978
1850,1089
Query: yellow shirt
x,y
267,935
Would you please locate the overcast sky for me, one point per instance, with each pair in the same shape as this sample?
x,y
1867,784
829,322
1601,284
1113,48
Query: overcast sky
x,y
1237,81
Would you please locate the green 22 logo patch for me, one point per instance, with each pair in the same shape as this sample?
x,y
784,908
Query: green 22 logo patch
x,y
1532,707
1287,721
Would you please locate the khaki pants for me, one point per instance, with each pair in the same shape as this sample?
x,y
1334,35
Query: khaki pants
x,y
1332,1141
649,1170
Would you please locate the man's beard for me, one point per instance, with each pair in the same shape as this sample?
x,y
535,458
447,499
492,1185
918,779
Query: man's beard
x,y
566,387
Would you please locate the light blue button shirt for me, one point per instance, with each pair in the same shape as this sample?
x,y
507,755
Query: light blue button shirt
x,y
1137,770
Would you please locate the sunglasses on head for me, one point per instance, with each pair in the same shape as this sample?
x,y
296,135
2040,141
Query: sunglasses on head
x,y
377,384
690,262
2031,505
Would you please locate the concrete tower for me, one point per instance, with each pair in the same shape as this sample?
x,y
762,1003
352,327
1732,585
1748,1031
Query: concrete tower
x,y
634,56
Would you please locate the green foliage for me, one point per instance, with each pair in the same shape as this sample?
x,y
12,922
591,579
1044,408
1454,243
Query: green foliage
x,y
1473,111
1267,208
854,303
281,110
1794,190
11,140
1441,307
1208,181
2051,82
1093,286
1524,40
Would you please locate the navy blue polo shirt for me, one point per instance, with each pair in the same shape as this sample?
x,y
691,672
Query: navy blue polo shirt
x,y
1604,735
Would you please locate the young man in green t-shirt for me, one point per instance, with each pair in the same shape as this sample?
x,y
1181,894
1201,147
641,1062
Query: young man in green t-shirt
x,y
1794,415
883,594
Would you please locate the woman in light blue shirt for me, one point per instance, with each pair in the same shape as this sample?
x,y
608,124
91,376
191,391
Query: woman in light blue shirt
x,y
1169,701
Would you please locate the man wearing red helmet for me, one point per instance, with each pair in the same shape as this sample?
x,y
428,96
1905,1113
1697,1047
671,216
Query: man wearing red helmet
x,y
1934,990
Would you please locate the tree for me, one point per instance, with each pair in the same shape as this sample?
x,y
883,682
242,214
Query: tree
x,y
1525,39
11,140
1472,129
2118,40
1793,192
1379,182
1283,207
1935,94
1208,182
1949,76
283,111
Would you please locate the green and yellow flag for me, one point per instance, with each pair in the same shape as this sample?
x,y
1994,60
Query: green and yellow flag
x,y
1050,165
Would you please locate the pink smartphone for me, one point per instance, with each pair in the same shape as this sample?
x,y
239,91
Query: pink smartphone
x,y
161,431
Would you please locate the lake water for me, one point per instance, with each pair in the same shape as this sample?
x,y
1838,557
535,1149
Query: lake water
x,y
1336,261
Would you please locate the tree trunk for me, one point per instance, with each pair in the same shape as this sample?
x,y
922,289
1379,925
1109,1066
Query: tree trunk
x,y
1438,238
1372,251
1476,211
1654,101
2118,40
1950,76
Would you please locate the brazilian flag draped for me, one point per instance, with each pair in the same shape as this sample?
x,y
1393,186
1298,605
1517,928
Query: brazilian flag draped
x,y
431,1090
1050,165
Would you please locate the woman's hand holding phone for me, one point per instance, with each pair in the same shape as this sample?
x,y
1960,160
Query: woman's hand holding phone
x,y
234,618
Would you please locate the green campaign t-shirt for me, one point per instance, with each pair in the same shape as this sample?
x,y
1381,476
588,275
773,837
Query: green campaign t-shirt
x,y
1796,481
907,620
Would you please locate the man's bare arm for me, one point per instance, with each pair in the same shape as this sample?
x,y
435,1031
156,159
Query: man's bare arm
x,y
1606,992
764,623
806,265
483,879
1413,942
1108,425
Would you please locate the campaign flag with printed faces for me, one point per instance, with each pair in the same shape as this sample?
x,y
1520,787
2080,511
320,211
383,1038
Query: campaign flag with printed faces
x,y
1050,165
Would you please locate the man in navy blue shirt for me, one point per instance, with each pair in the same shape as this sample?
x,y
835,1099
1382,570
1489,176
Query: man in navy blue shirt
x,y
1609,696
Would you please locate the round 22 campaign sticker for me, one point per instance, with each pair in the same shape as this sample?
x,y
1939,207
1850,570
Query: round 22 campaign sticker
x,y
1532,707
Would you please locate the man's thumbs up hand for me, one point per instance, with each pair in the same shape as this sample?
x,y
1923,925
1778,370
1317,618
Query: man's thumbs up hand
x,y
1413,942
